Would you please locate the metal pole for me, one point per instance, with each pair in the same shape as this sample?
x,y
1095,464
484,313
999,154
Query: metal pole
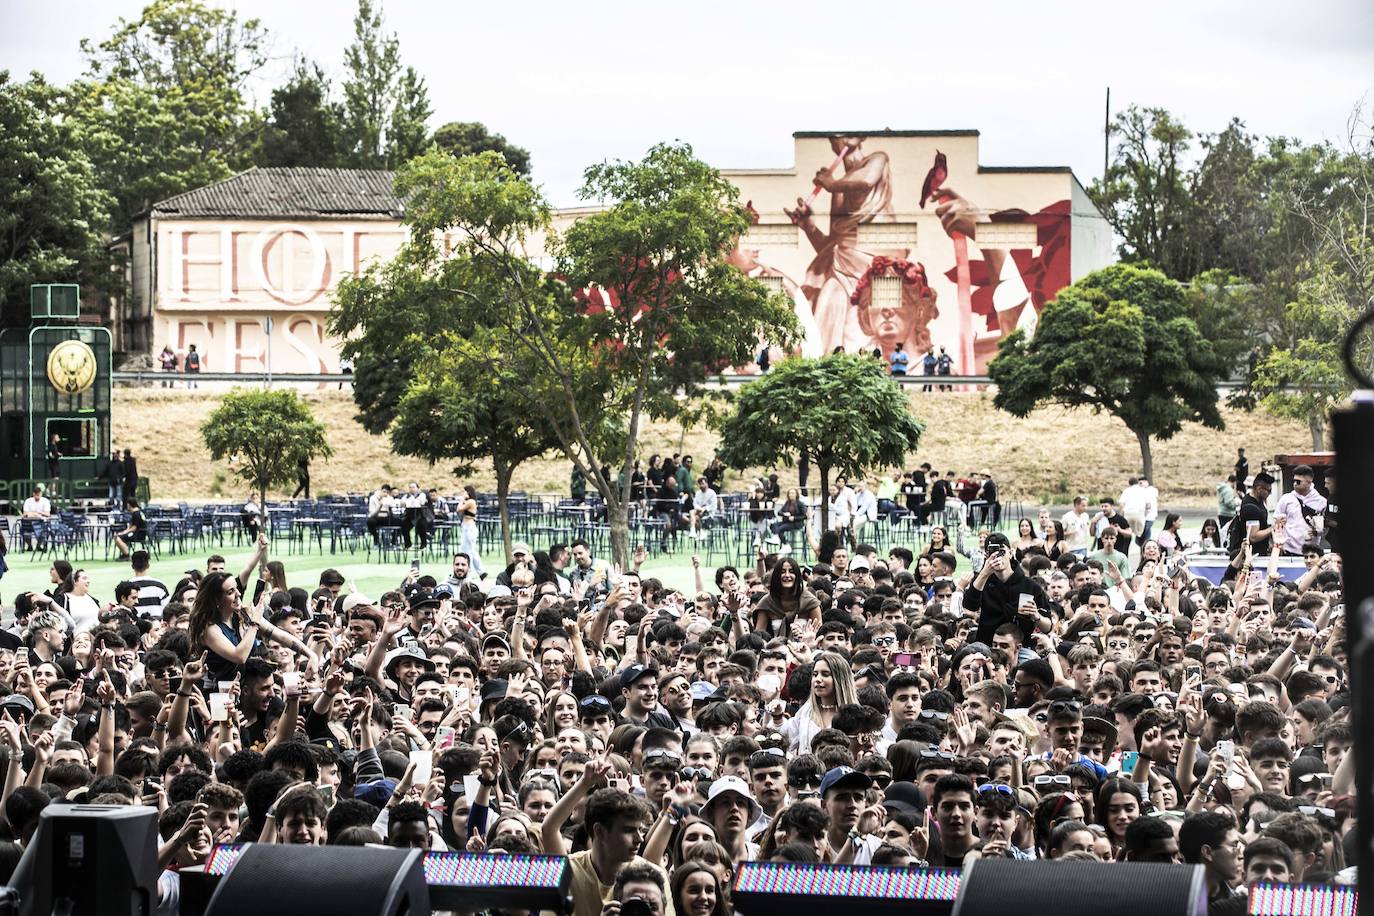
x,y
269,371
1107,136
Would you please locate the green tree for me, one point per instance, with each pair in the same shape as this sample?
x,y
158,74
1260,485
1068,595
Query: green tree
x,y
386,105
266,434
52,208
1307,380
1118,340
844,411
643,310
1144,194
442,418
304,125
464,138
161,109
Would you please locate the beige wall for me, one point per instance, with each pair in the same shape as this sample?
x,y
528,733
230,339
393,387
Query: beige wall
x,y
213,283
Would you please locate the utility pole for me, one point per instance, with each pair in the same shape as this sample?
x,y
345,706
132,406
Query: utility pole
x,y
1107,135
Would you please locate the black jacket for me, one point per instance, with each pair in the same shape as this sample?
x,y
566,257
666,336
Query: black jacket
x,y
130,474
996,604
114,471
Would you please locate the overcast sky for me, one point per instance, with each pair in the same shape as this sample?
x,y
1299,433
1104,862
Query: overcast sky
x,y
579,82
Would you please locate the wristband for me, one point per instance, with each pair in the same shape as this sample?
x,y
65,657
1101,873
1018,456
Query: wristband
x,y
489,783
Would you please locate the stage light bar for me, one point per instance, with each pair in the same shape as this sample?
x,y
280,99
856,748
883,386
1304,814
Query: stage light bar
x,y
803,889
1268,898
472,881
223,857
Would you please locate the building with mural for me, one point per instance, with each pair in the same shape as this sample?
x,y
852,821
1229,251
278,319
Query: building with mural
x,y
879,238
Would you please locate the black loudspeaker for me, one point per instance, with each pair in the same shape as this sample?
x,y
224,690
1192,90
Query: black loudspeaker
x,y
90,859
798,889
995,887
286,880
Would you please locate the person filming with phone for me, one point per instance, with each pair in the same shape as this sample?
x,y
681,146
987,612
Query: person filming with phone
x,y
1001,593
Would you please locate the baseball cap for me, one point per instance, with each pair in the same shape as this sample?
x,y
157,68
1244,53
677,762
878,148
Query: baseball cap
x,y
493,689
495,639
996,539
702,690
1263,478
356,599
635,673
423,598
521,547
844,777
728,784
18,701
860,562
904,796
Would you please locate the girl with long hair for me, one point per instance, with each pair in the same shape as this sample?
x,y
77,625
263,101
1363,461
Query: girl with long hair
x,y
788,598
832,686
228,633
467,513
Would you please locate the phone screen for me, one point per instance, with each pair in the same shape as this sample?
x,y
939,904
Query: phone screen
x,y
258,590
904,660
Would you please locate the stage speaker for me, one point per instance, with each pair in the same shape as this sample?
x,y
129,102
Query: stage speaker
x,y
90,859
994,887
797,889
286,880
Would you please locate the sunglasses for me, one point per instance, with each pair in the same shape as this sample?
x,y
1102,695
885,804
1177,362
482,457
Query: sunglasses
x,y
766,757
595,702
805,782
881,780
999,788
1315,810
935,714
1058,779
1058,706
884,640
662,755
938,755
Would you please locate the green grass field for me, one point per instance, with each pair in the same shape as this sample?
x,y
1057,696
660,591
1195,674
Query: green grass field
x,y
27,573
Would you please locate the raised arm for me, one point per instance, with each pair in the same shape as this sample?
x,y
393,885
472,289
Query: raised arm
x,y
593,777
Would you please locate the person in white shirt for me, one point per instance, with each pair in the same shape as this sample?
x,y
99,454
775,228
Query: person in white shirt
x,y
705,505
865,508
841,508
1077,522
1132,504
37,505
1300,508
378,510
1151,507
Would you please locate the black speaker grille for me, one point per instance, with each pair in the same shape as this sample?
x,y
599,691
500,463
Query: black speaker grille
x,y
322,881
995,887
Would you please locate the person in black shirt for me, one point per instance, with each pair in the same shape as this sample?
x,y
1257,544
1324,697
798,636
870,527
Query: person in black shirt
x,y
136,532
1253,519
302,478
1001,594
1242,468
1109,513
55,456
130,474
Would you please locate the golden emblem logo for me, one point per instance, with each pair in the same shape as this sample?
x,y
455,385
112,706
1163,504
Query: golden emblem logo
x,y
71,367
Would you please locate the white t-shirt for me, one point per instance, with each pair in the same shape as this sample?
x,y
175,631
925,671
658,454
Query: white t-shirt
x,y
84,611
1076,530
37,505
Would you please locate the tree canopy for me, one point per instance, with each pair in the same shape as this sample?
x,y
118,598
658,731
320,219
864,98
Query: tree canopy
x,y
844,411
1118,340
642,309
265,435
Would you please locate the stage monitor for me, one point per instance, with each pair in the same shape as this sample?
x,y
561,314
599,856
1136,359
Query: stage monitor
x,y
802,889
1271,898
90,860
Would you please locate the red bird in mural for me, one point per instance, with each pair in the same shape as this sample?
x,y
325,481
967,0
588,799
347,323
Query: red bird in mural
x,y
934,178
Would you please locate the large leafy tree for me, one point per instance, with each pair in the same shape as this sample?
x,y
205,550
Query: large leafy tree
x,y
162,109
386,104
484,417
52,207
266,434
464,138
305,125
1118,340
844,411
643,310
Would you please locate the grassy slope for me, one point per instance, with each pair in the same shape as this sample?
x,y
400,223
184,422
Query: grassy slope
x,y
1046,457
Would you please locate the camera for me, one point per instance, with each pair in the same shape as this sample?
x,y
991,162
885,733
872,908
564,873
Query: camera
x,y
636,906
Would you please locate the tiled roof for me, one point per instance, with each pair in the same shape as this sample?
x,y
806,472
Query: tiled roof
x,y
296,192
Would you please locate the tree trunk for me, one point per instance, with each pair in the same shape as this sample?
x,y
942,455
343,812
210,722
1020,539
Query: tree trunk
x,y
617,517
503,475
825,498
1317,427
1147,461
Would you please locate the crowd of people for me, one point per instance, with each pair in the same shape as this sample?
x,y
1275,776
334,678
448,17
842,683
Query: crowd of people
x,y
1071,691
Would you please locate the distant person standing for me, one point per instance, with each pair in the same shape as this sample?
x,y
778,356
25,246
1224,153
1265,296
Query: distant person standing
x,y
928,365
192,364
167,359
1228,503
302,478
55,456
899,360
1242,469
130,476
114,477
945,366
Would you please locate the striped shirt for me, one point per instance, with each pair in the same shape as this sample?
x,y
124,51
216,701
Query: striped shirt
x,y
152,595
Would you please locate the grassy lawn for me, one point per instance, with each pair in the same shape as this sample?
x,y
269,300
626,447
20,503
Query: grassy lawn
x,y
302,570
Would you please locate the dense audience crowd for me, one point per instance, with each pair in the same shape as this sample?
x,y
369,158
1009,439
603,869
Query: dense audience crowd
x,y
1071,691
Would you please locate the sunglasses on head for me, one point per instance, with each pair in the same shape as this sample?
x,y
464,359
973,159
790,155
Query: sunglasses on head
x,y
937,755
1316,810
1055,779
935,714
766,756
1000,788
